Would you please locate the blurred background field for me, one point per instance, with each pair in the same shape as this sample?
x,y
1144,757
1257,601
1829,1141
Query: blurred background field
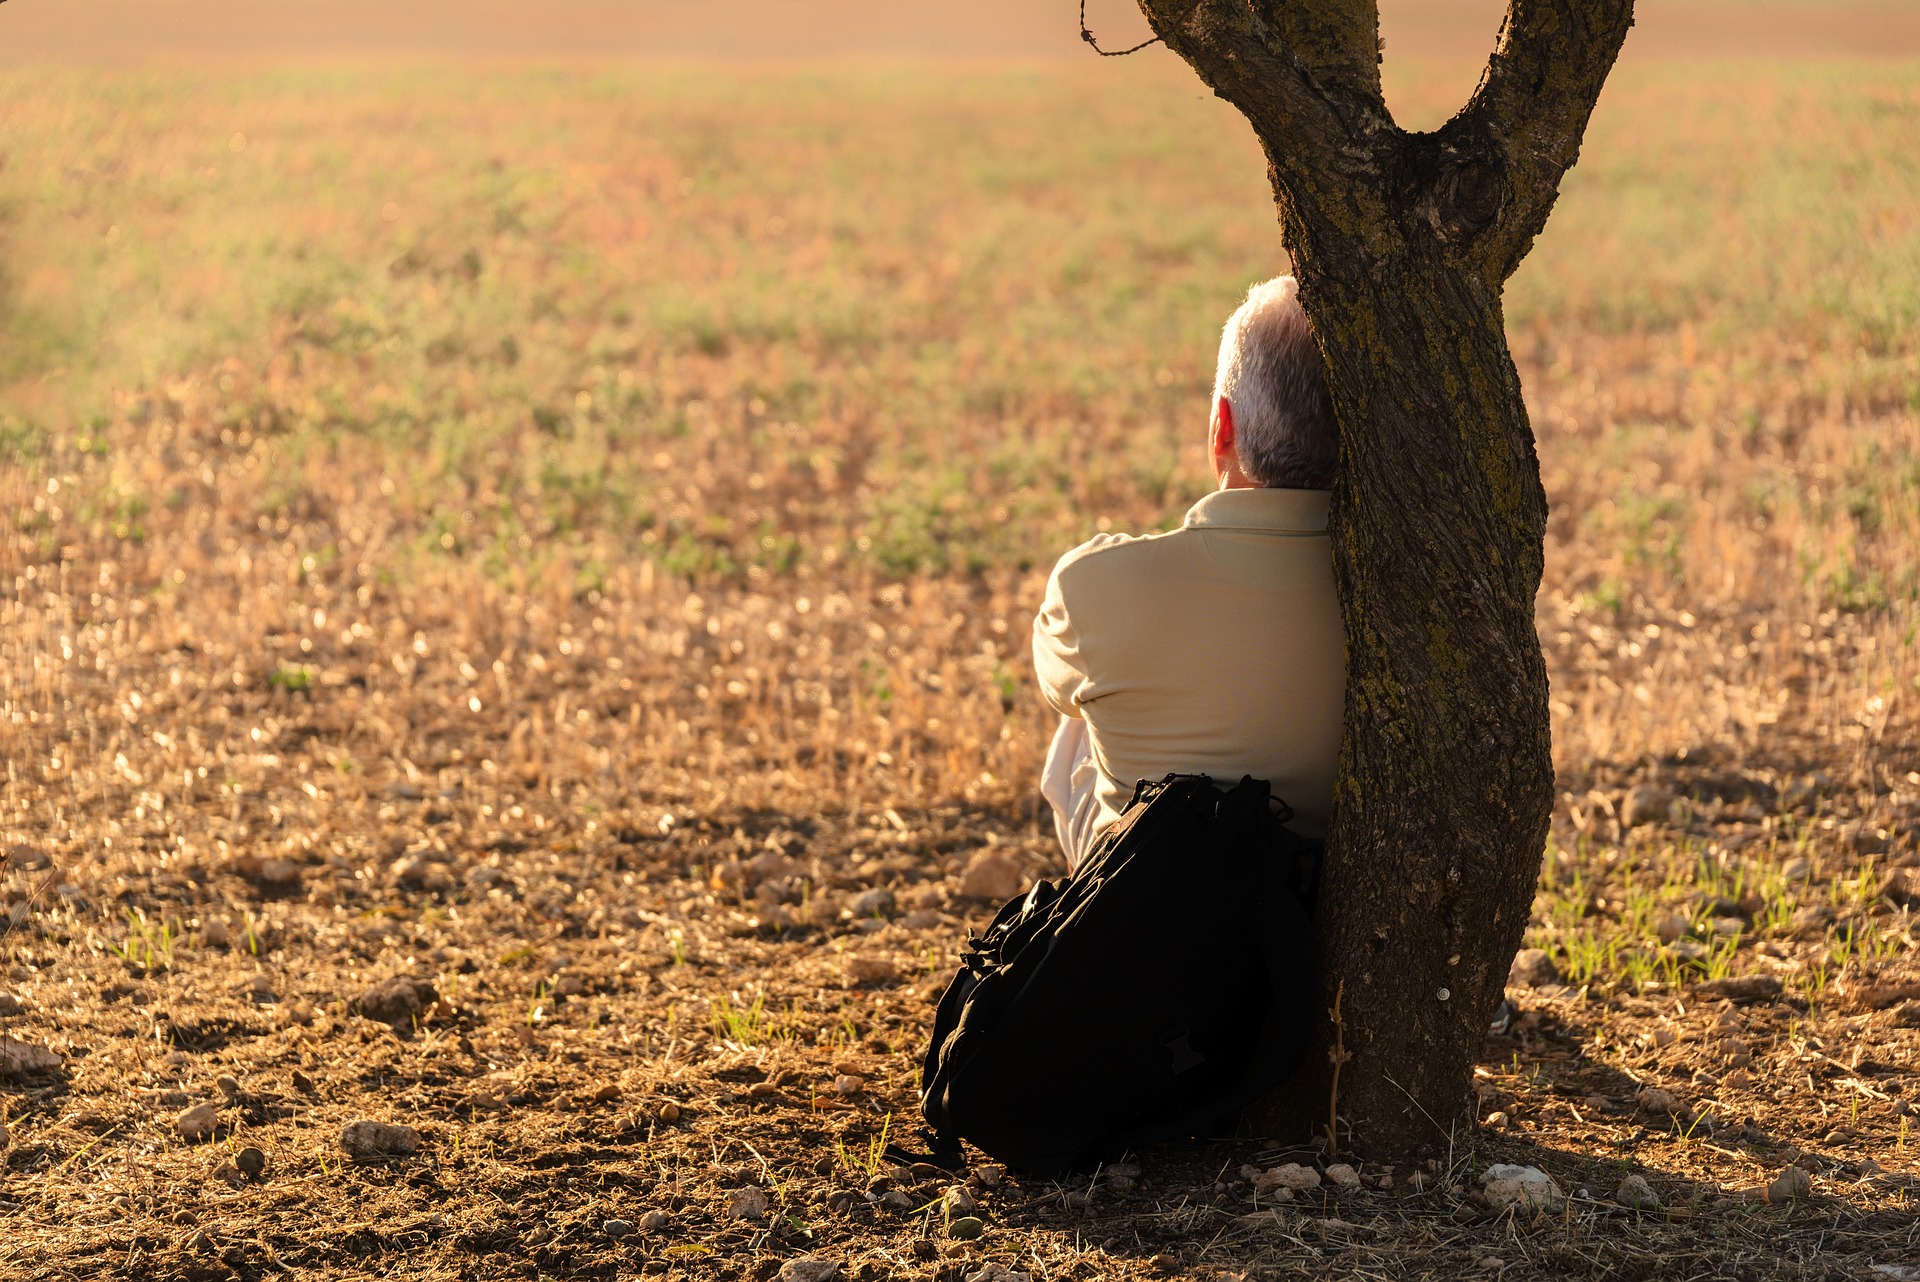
x,y
756,334
441,487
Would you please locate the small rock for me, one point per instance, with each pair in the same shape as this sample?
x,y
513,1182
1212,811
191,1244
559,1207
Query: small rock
x,y
18,1057
768,865
228,1084
255,988
1344,1177
872,970
990,875
1655,1100
922,919
1740,988
538,1235
1672,927
877,902
1491,1263
1497,1120
398,1001
748,1204
1292,1176
1645,804
10,1005
1635,1192
1813,918
1527,1187
669,1112
654,1222
896,1200
808,1268
849,1084
1689,950
251,1160
990,1175
966,1228
617,1228
1900,888
302,1083
1799,868
197,1124
416,873
1531,968
368,1139
959,1201
1791,1185
280,872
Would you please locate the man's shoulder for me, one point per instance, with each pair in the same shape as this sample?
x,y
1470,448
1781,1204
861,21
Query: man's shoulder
x,y
1117,553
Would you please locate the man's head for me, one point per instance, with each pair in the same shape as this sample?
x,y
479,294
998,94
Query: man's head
x,y
1273,424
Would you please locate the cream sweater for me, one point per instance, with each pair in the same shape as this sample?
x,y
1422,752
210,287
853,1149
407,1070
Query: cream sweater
x,y
1215,649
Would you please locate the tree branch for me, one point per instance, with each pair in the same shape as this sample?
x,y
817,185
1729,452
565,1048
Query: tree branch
x,y
1530,110
1306,75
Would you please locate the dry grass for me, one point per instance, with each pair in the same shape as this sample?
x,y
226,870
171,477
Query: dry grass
x,y
565,539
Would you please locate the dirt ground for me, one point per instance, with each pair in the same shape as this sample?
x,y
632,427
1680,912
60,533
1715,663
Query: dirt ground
x,y
635,1032
578,722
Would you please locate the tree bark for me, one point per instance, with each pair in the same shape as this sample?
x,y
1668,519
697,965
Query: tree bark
x,y
1402,243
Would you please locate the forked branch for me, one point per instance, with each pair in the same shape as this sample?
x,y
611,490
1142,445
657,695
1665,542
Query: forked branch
x,y
1532,108
1306,75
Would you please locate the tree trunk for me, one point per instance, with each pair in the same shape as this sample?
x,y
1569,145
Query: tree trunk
x,y
1402,243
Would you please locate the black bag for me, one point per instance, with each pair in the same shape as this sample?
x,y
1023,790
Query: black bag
x,y
1170,981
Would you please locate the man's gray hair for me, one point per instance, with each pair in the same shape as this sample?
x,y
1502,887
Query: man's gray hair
x,y
1271,373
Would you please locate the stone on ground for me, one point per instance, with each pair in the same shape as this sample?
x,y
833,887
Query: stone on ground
x,y
1531,968
1740,988
197,1124
1635,1192
1292,1176
1527,1187
18,1057
1645,804
369,1139
872,970
877,902
396,1001
1791,1185
748,1205
808,1268
990,875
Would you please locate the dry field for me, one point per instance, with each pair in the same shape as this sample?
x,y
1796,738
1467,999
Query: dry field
x,y
513,596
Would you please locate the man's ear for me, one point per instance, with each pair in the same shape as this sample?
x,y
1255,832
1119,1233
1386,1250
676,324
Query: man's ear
x,y
1221,437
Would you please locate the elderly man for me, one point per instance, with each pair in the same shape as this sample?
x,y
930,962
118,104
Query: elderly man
x,y
1215,648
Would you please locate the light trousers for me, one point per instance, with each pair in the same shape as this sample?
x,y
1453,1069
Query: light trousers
x,y
1067,781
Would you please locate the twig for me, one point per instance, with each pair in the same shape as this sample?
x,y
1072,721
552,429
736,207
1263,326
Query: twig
x,y
1337,1055
1104,53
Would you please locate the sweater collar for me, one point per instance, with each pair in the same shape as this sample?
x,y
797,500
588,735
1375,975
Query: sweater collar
x,y
1280,511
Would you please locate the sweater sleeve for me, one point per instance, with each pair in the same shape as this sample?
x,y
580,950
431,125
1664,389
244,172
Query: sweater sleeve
x,y
1057,663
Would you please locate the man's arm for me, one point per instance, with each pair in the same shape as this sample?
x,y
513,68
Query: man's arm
x,y
1057,663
